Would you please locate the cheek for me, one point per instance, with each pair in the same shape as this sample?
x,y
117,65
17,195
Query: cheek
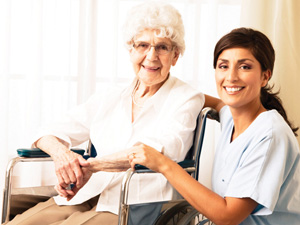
x,y
218,79
167,64
136,58
219,82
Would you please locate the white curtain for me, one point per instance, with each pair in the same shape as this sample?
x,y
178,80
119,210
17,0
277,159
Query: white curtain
x,y
280,21
55,53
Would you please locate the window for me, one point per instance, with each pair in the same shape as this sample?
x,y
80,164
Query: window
x,y
56,53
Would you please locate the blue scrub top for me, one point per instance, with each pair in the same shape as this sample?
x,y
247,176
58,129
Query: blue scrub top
x,y
262,163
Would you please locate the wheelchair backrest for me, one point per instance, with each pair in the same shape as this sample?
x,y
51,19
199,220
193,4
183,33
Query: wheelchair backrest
x,y
195,151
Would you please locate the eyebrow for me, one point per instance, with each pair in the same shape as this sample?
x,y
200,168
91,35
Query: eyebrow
x,y
239,61
161,42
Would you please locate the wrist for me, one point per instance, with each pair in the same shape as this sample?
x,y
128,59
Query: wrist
x,y
166,166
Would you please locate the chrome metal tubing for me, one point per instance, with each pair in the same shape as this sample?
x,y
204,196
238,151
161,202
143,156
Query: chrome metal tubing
x,y
8,184
124,207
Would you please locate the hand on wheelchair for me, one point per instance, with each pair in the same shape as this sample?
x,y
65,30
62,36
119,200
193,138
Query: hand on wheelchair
x,y
147,156
72,190
69,169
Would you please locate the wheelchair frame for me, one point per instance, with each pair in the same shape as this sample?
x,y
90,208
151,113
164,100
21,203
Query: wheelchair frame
x,y
190,164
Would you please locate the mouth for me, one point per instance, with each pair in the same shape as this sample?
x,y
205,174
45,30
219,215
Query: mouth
x,y
151,68
233,89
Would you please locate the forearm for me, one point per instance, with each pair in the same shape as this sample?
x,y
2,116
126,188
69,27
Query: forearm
x,y
52,145
219,210
213,102
112,163
195,193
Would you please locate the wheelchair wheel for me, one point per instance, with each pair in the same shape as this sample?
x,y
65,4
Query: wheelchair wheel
x,y
173,215
193,217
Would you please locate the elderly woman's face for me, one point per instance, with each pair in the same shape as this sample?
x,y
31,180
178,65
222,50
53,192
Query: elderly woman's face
x,y
152,65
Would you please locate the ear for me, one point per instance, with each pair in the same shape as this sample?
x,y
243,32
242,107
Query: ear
x,y
175,57
266,76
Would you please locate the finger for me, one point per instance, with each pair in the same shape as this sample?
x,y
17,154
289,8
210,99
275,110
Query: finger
x,y
78,174
131,155
65,176
60,179
83,162
61,191
133,163
73,193
79,177
69,171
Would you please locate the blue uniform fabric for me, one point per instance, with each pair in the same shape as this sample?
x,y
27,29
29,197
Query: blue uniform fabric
x,y
262,164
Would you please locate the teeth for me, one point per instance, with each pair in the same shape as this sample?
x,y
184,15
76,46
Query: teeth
x,y
151,68
233,89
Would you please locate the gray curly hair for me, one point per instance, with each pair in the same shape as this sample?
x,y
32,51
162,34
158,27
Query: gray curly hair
x,y
157,16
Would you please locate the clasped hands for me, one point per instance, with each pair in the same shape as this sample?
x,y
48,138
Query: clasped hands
x,y
72,169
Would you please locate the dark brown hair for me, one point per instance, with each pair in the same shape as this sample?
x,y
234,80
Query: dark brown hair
x,y
262,49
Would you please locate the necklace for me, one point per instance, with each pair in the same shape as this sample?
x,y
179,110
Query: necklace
x,y
133,95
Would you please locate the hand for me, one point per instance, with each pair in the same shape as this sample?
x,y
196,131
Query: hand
x,y
68,168
146,156
70,193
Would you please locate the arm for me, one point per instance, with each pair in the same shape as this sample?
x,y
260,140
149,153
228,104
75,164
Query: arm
x,y
213,102
116,162
219,210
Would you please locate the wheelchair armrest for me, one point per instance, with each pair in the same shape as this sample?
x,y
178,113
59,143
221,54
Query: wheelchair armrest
x,y
38,153
184,164
24,155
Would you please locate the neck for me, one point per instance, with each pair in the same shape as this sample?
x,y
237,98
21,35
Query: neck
x,y
242,119
144,90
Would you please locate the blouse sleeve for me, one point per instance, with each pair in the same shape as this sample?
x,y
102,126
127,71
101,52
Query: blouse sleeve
x,y
73,127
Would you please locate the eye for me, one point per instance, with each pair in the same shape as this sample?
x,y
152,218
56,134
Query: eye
x,y
245,67
163,47
222,66
142,45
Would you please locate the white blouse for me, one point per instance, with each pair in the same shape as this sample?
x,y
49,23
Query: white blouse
x,y
166,123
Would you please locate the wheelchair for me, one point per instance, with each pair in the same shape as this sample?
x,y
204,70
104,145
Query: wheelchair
x,y
180,212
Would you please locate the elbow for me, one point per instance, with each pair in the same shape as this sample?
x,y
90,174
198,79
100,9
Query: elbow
x,y
227,223
226,220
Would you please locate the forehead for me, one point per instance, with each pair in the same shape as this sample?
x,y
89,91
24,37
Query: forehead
x,y
150,36
237,53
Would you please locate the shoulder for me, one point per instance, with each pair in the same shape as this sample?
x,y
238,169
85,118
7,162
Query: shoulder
x,y
278,128
177,83
178,97
183,90
271,127
274,123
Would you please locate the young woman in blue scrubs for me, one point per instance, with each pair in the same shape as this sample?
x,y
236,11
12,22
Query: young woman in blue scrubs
x,y
256,173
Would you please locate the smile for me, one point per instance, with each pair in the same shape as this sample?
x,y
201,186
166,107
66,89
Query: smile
x,y
151,68
233,89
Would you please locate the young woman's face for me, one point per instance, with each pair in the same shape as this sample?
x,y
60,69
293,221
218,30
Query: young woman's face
x,y
239,78
151,67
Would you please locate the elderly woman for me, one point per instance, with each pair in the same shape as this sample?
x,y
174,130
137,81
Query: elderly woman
x,y
155,111
256,170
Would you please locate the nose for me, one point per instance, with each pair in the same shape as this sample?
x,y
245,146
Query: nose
x,y
231,75
152,54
